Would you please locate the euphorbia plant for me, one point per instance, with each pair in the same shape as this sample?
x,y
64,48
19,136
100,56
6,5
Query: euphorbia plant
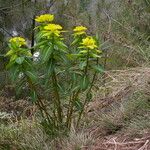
x,y
22,70
86,56
78,65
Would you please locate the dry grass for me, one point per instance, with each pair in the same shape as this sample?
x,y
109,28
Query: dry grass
x,y
118,85
122,108
77,140
119,117
122,142
24,134
119,113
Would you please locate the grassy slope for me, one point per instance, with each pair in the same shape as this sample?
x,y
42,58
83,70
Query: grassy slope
x,y
127,117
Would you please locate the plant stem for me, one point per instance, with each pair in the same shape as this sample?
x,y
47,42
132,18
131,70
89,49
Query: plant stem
x,y
69,109
87,63
57,102
39,102
92,83
69,118
85,74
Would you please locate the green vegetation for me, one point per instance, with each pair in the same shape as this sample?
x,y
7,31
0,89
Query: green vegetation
x,y
78,64
74,73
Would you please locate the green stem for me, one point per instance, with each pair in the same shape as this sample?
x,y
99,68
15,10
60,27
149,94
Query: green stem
x,y
87,63
39,101
69,111
69,108
57,102
85,102
69,118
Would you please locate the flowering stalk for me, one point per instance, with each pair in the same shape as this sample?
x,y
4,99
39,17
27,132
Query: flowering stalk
x,y
86,99
79,33
50,34
20,60
55,65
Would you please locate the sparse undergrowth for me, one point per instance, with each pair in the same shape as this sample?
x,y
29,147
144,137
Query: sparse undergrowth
x,y
127,109
132,116
60,107
21,135
29,134
129,117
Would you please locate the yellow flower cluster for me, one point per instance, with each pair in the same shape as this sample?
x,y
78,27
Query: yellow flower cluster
x,y
54,29
89,42
79,30
16,50
49,29
18,40
44,18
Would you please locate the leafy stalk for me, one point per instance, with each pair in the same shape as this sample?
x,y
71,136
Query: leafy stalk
x,y
86,99
56,92
58,103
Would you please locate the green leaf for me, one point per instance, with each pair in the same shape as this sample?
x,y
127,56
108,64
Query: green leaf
x,y
71,56
77,72
75,88
28,63
147,2
83,52
9,53
19,60
98,68
82,65
78,105
13,46
14,72
50,67
95,55
10,64
13,57
34,96
84,83
61,46
45,55
40,43
31,75
61,88
76,40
